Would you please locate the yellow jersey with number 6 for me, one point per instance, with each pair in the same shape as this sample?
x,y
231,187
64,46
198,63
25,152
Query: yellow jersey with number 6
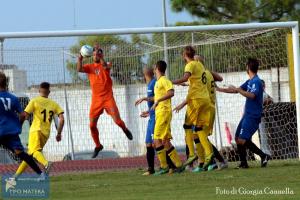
x,y
43,110
197,81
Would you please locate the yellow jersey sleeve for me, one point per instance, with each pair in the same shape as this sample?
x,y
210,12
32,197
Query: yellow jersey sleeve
x,y
30,107
58,109
189,68
167,84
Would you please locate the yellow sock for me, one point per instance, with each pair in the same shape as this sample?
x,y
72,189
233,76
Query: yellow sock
x,y
208,150
162,156
189,139
174,157
200,151
40,158
21,168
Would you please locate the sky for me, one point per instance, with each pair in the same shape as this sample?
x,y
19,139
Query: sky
x,y
42,15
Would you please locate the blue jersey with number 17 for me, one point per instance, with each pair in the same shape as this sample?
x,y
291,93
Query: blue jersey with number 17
x,y
9,120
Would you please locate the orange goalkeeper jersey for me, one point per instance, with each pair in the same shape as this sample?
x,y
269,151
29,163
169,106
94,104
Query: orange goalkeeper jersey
x,y
100,80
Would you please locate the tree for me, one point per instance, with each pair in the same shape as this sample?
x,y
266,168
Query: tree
x,y
237,11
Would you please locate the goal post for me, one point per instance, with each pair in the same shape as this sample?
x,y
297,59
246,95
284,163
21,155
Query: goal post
x,y
219,44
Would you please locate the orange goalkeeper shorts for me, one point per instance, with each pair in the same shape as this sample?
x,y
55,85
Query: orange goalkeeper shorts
x,y
103,103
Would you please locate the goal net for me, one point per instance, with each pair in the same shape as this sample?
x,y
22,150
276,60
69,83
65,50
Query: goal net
x,y
28,62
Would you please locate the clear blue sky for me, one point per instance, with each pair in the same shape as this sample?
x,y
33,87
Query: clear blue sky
x,y
38,15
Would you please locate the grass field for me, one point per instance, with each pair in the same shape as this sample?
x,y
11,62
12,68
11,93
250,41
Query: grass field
x,y
131,185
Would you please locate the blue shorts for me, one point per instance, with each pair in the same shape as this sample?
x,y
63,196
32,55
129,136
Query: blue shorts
x,y
150,129
11,142
247,127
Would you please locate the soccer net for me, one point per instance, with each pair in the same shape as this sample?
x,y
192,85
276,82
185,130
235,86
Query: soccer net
x,y
30,61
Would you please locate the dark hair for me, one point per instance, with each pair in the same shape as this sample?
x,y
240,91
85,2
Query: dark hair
x,y
253,65
3,80
263,82
189,51
161,66
45,85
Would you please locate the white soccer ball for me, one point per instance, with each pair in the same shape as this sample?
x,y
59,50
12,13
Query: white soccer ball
x,y
86,51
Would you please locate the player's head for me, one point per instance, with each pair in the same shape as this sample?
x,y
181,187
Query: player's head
x,y
97,54
188,53
160,68
3,81
44,89
148,73
199,58
252,65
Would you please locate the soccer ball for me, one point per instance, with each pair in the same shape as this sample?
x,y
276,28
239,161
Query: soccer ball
x,y
86,51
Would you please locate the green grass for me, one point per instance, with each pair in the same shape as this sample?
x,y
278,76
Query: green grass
x,y
131,185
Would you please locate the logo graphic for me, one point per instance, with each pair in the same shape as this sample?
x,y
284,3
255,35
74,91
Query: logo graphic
x,y
97,72
25,186
251,88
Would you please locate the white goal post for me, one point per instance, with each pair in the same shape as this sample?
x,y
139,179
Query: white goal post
x,y
293,25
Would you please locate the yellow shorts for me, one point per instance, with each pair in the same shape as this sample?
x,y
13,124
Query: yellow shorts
x,y
36,141
198,113
162,129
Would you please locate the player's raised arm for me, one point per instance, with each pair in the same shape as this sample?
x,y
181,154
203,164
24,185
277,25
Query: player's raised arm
x,y
182,80
246,94
230,89
217,76
79,63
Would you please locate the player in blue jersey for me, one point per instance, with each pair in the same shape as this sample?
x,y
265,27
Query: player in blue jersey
x,y
252,89
150,80
11,124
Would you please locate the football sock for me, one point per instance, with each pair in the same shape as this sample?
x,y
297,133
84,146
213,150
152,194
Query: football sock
x,y
170,163
250,145
242,153
217,154
189,139
174,157
201,164
21,168
150,158
161,155
95,133
40,158
207,146
199,150
187,152
29,160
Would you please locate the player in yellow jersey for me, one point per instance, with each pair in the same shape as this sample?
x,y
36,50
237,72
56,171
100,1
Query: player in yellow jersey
x,y
163,92
198,114
211,78
44,110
